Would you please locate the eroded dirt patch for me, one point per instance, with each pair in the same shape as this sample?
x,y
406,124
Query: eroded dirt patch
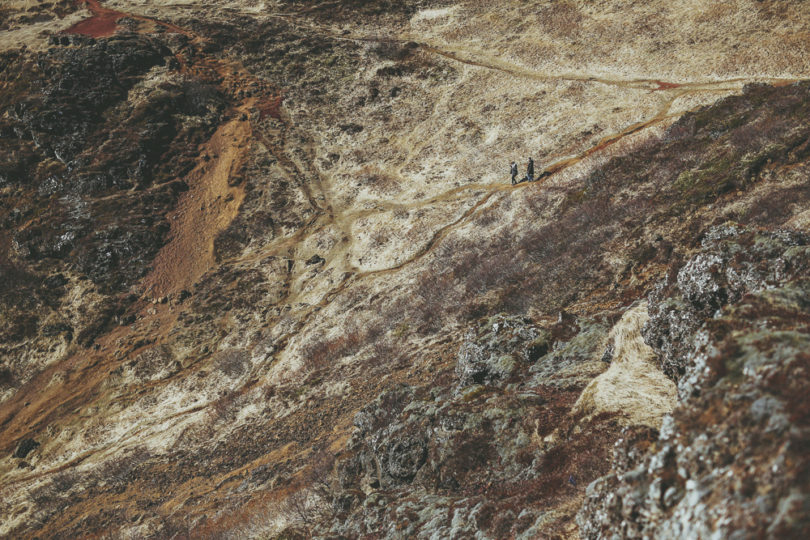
x,y
103,22
206,209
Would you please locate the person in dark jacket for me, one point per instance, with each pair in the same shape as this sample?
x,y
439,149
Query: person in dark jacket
x,y
514,171
530,170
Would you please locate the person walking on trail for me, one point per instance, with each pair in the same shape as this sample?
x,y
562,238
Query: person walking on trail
x,y
514,171
530,170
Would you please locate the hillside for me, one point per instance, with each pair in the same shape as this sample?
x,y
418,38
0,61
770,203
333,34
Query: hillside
x,y
263,272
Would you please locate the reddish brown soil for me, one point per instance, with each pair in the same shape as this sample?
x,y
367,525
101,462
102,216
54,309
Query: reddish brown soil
x,y
103,23
271,107
666,85
211,202
207,208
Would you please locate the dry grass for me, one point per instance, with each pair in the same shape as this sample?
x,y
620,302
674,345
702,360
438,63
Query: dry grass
x,y
633,387
536,265
322,354
232,362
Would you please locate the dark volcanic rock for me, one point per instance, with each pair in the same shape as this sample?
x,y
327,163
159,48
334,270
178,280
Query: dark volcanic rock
x,y
731,460
404,457
25,447
490,352
78,142
435,453
733,262
78,85
243,392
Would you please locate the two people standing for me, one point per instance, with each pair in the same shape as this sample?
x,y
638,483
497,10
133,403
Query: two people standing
x,y
513,169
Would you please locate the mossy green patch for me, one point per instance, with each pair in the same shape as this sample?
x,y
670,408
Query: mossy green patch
x,y
713,178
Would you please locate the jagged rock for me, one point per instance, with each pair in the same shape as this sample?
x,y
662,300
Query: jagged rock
x,y
734,261
419,452
742,423
490,352
421,233
404,457
383,452
25,447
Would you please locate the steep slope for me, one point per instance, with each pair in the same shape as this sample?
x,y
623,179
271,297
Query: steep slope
x,y
541,486
253,255
731,460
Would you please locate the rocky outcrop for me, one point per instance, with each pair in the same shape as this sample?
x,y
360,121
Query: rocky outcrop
x,y
733,262
489,355
496,456
227,229
731,459
25,447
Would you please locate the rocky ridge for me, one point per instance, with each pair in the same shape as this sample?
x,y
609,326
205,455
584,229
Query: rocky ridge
x,y
740,432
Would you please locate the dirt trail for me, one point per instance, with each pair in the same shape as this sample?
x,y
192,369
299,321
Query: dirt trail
x,y
102,23
352,276
345,217
479,59
294,169
609,140
211,203
472,57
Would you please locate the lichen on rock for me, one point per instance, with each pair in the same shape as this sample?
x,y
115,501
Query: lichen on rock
x,y
739,430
